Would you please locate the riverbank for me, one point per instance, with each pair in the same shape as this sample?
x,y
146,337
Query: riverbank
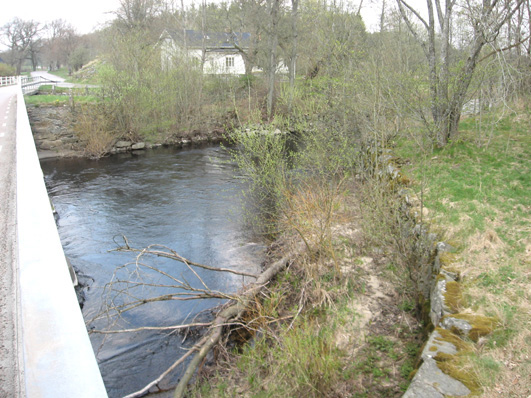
x,y
340,323
313,336
477,193
56,135
349,308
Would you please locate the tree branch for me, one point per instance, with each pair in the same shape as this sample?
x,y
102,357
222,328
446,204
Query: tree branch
x,y
171,254
233,311
499,50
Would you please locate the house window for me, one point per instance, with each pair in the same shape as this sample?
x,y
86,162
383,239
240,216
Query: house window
x,y
229,62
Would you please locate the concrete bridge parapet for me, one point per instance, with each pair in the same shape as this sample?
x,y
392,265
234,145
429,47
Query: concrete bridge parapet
x,y
58,358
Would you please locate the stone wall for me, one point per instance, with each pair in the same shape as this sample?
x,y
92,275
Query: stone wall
x,y
54,135
441,372
53,131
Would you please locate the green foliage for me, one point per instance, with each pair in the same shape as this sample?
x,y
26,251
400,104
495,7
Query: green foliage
x,y
39,100
381,343
481,182
7,70
59,100
264,159
143,98
78,58
62,72
304,362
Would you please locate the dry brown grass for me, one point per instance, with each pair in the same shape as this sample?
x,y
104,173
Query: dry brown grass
x,y
94,131
479,200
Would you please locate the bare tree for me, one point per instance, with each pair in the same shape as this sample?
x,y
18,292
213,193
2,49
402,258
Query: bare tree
x,y
137,13
23,40
248,16
274,7
62,42
448,91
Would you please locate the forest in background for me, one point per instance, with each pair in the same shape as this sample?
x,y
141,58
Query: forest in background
x,y
416,72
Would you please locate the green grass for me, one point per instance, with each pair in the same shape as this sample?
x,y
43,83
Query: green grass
x,y
63,72
478,191
58,100
304,362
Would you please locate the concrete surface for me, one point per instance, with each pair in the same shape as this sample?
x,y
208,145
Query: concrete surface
x,y
11,369
45,351
58,356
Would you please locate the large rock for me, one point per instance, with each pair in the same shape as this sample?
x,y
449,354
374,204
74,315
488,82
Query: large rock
x,y
138,146
49,144
431,382
123,144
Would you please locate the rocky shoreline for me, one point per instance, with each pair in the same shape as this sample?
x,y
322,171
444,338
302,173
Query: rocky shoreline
x,y
54,134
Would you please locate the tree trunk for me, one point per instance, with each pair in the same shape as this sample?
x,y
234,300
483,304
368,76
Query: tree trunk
x,y
293,60
273,42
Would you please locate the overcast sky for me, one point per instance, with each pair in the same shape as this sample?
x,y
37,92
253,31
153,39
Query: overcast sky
x,y
86,15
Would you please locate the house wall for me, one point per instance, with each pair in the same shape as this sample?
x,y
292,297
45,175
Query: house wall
x,y
216,63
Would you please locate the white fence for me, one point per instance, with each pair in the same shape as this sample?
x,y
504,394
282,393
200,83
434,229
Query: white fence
x,y
29,84
8,80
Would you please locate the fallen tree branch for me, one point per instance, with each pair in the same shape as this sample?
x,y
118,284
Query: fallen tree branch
x,y
171,254
233,311
160,328
145,390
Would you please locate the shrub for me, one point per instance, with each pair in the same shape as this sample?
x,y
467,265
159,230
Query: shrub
x,y
6,70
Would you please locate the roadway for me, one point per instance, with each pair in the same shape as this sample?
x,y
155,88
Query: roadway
x,y
11,384
48,76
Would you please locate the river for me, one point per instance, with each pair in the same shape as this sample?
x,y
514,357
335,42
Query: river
x,y
188,200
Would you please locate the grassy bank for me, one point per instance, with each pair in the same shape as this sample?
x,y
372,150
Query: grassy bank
x,y
477,192
341,320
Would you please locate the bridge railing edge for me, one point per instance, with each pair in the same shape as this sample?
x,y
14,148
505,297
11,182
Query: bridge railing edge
x,y
58,357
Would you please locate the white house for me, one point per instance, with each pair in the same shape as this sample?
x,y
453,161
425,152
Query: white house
x,y
223,51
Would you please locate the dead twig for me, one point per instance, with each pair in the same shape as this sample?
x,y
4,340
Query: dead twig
x,y
233,311
171,254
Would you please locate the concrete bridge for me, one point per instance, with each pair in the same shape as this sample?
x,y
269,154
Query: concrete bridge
x,y
45,350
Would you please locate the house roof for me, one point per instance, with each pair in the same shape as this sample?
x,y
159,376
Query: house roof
x,y
213,40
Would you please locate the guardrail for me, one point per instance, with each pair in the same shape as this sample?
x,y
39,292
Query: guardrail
x,y
59,361
8,80
30,85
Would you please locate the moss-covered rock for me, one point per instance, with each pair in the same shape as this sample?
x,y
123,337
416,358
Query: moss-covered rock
x,y
469,325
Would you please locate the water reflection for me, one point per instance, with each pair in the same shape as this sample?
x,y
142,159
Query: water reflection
x,y
188,200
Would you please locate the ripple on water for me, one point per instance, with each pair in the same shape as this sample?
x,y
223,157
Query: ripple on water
x,y
188,200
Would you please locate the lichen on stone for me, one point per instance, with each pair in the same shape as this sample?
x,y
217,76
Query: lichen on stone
x,y
457,369
479,325
449,337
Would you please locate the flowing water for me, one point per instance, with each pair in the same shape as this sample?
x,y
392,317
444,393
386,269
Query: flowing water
x,y
187,200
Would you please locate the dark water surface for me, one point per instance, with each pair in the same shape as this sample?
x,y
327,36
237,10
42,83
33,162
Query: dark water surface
x,y
189,200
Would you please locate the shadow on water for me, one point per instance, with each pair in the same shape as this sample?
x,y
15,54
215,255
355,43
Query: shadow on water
x,y
188,200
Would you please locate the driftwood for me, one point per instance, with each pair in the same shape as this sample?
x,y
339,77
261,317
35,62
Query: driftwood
x,y
236,306
233,311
